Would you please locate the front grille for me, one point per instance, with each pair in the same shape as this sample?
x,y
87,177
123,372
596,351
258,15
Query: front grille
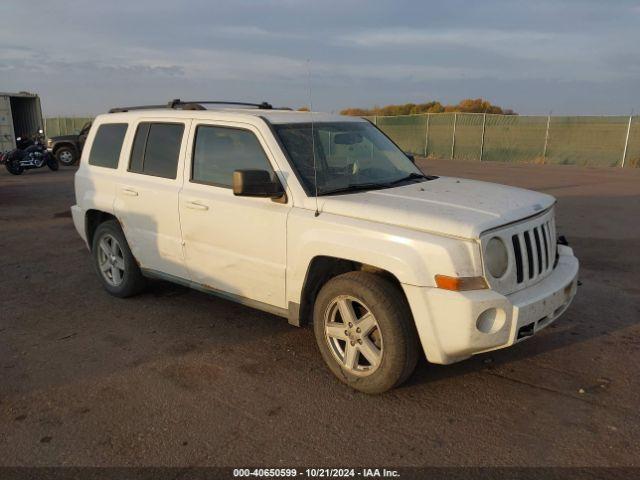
x,y
531,246
534,251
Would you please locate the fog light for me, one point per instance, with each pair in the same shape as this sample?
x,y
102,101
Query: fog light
x,y
491,320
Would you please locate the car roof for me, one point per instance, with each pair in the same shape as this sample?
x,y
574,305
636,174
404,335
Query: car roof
x,y
272,115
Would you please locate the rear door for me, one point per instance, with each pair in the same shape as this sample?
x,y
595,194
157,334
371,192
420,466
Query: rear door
x,y
147,195
232,244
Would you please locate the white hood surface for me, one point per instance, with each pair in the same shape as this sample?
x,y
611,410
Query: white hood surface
x,y
448,206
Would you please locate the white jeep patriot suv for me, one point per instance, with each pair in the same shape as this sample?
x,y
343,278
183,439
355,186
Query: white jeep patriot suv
x,y
320,217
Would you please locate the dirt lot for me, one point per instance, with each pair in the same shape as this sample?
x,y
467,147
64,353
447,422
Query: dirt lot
x,y
176,377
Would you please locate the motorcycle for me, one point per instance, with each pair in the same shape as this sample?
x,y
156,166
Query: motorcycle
x,y
30,154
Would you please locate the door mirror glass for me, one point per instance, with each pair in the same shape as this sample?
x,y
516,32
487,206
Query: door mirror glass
x,y
255,183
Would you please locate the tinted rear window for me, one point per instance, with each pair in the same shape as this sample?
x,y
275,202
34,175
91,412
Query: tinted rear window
x,y
156,149
107,144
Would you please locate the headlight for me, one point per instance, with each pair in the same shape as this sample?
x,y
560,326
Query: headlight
x,y
496,258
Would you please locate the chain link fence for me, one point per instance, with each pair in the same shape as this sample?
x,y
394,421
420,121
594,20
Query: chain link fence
x,y
603,141
610,141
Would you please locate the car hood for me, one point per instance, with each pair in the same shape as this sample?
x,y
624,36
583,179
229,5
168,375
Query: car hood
x,y
448,206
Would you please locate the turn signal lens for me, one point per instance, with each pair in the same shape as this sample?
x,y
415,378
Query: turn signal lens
x,y
459,284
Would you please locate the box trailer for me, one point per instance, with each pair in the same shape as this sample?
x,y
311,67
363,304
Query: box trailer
x,y
20,116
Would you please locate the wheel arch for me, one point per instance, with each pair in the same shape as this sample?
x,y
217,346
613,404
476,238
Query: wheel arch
x,y
92,219
321,269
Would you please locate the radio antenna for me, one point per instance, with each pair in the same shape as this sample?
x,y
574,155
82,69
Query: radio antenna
x,y
313,137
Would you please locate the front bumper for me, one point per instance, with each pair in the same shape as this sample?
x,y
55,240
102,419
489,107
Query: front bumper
x,y
448,322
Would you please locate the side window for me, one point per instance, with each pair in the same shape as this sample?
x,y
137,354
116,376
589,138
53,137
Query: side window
x,y
156,148
218,151
107,144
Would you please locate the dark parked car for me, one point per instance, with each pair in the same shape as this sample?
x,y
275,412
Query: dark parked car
x,y
67,148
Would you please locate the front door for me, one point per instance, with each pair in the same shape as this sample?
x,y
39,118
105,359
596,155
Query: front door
x,y
147,195
232,244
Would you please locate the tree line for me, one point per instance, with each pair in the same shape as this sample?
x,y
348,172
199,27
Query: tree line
x,y
469,105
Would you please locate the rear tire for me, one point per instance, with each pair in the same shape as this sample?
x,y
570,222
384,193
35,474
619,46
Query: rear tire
x,y
378,324
67,156
14,169
115,265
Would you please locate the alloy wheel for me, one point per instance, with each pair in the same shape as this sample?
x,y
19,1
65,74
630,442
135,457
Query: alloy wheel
x,y
353,335
111,260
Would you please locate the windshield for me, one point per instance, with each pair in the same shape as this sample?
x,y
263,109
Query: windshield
x,y
350,156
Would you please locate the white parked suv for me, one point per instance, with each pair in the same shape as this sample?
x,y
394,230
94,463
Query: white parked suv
x,y
322,218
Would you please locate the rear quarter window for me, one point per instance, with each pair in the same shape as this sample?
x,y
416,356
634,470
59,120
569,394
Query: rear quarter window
x,y
156,149
107,144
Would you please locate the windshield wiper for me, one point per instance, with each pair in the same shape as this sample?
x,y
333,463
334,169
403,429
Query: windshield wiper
x,y
354,187
411,176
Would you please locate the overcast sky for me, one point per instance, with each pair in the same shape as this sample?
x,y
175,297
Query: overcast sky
x,y
82,57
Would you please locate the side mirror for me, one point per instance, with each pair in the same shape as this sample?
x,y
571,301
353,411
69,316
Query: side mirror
x,y
255,183
411,157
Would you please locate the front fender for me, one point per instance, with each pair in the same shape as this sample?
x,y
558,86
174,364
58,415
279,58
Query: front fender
x,y
413,257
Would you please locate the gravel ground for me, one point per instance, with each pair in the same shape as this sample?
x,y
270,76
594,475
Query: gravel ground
x,y
176,377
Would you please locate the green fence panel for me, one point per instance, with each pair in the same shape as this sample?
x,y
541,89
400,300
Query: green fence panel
x,y
408,131
514,138
54,126
440,135
468,136
593,141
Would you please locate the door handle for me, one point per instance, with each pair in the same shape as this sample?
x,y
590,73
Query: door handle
x,y
195,205
130,191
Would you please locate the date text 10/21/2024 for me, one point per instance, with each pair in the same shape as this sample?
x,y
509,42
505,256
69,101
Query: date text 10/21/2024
x,y
316,472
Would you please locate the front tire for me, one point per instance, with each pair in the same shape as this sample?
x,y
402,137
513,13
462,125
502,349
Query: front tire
x,y
115,265
365,332
67,156
53,164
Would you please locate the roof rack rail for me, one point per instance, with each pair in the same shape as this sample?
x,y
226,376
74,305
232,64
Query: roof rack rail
x,y
139,107
191,105
179,103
